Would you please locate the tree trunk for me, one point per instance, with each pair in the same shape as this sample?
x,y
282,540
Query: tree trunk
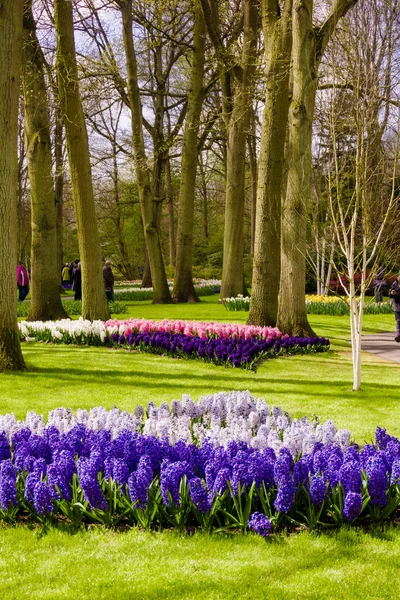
x,y
205,197
237,130
126,266
309,44
94,300
10,53
146,279
45,286
292,315
171,219
251,143
161,293
59,187
183,285
266,265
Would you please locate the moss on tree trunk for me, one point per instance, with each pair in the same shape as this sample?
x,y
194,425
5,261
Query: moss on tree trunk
x,y
45,286
267,248
10,54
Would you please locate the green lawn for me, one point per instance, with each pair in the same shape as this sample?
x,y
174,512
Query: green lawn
x,y
103,564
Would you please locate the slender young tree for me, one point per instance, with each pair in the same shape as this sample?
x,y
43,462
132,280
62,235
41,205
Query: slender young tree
x,y
237,82
183,285
11,14
45,286
94,301
161,293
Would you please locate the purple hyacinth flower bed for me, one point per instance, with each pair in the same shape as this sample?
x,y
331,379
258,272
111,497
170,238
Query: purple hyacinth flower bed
x,y
228,462
229,352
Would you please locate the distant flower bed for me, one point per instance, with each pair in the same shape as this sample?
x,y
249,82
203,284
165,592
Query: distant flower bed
x,y
334,305
228,462
318,305
131,291
222,344
74,307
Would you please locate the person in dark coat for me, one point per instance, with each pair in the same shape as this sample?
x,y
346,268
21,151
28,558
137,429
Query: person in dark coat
x,y
108,277
77,283
394,295
22,281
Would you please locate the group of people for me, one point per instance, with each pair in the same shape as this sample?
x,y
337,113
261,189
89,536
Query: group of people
x,y
71,275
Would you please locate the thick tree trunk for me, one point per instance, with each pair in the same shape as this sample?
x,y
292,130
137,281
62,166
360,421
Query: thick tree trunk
x,y
232,269
161,293
267,255
237,130
309,44
183,285
292,315
10,55
94,300
45,286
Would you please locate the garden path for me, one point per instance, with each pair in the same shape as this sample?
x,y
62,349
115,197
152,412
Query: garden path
x,y
383,345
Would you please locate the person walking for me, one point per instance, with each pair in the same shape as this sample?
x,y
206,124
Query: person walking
x,y
108,277
77,284
22,282
66,278
394,295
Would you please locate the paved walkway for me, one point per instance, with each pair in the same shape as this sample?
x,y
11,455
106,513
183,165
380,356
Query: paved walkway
x,y
383,345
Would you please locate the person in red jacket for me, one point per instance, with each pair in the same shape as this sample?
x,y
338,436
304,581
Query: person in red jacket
x,y
22,282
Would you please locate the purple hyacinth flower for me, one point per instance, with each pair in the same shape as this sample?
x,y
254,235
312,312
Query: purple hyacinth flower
x,y
300,471
260,524
139,482
285,496
221,481
350,477
89,483
8,487
282,465
395,476
57,478
42,498
5,452
317,490
170,478
377,480
199,495
367,451
352,506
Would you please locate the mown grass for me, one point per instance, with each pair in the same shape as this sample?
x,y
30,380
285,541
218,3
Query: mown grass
x,y
105,564
101,564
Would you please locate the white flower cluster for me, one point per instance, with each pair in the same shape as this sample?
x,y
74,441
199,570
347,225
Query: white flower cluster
x,y
239,302
218,418
68,330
